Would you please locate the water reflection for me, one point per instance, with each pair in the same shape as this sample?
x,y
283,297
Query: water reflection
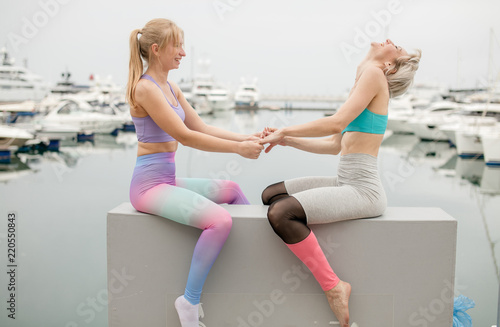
x,y
484,182
444,159
67,157
15,169
490,181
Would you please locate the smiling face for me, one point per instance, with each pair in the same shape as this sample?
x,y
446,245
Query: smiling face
x,y
172,54
387,51
169,57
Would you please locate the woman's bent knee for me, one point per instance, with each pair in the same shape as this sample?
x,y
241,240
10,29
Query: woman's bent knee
x,y
273,190
224,220
272,214
266,195
277,214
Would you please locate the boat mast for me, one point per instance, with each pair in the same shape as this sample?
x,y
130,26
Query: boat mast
x,y
491,82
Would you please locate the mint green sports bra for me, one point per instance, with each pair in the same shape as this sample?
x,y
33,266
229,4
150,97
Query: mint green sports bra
x,y
368,122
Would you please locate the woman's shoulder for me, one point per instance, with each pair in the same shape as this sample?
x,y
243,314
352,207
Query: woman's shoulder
x,y
373,73
145,87
374,78
174,86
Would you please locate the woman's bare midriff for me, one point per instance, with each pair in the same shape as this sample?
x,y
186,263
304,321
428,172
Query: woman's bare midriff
x,y
358,142
150,148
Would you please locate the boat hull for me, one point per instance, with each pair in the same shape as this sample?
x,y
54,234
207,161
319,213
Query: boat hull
x,y
491,146
12,136
469,145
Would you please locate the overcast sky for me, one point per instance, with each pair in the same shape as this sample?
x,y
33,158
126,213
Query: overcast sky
x,y
302,47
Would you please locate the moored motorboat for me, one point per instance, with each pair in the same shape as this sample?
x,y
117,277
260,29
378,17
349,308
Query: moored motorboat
x,y
425,124
247,95
219,99
400,110
13,136
83,116
491,146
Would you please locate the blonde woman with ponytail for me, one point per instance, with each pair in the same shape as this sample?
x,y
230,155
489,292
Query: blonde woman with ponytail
x,y
163,119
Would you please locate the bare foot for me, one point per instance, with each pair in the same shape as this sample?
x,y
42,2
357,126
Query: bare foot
x,y
338,298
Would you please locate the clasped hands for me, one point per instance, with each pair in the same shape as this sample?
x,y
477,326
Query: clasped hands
x,y
254,144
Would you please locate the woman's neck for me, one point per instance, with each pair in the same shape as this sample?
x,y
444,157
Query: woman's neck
x,y
159,76
367,62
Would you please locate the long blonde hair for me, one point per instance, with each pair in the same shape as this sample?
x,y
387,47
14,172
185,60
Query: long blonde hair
x,y
158,31
400,76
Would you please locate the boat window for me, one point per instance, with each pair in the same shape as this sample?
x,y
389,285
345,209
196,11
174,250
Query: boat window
x,y
107,110
442,109
68,108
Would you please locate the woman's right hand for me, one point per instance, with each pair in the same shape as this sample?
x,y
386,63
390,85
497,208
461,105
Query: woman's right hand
x,y
272,136
250,149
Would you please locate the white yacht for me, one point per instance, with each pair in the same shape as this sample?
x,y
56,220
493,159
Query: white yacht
x,y
13,136
202,87
471,118
425,123
207,97
247,95
81,115
186,87
202,93
104,85
491,146
17,83
422,95
400,110
65,85
219,99
468,138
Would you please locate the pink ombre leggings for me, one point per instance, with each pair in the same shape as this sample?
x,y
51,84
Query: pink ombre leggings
x,y
189,201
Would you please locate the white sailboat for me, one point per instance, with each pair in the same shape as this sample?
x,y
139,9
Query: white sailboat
x,y
484,140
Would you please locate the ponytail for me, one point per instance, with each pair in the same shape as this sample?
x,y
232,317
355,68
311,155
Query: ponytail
x,y
135,67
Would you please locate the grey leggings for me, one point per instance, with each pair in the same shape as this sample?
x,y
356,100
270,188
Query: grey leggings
x,y
355,193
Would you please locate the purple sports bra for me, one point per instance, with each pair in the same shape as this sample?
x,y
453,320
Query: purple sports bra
x,y
147,130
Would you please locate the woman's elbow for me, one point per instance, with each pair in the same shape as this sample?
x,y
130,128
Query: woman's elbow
x,y
184,139
335,150
336,128
336,144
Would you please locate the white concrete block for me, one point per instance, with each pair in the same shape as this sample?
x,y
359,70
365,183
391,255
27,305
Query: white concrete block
x,y
401,267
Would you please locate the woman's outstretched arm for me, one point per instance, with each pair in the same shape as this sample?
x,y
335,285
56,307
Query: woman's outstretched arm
x,y
195,123
327,145
152,100
369,85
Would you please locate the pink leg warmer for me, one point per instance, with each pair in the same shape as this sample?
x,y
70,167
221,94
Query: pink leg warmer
x,y
310,253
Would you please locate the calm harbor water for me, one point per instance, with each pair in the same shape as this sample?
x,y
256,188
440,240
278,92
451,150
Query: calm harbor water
x,y
61,200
